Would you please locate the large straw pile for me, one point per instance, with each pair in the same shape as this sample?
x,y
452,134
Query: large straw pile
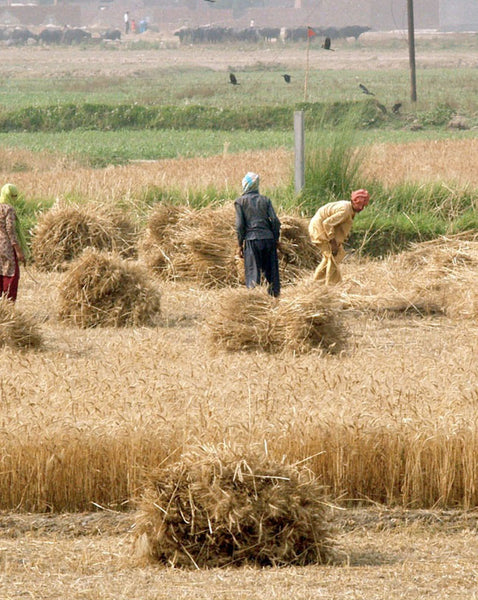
x,y
437,277
201,245
16,329
195,245
307,316
218,507
63,232
101,289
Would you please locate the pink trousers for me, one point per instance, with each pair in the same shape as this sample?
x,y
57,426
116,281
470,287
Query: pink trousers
x,y
9,285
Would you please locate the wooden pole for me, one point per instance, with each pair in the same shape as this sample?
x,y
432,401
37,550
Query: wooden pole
x,y
306,69
411,51
299,146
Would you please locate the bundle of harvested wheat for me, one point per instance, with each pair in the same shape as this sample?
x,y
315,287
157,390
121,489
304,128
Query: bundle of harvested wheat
x,y
157,244
306,317
16,329
101,289
201,245
309,316
218,506
242,320
196,245
63,232
297,253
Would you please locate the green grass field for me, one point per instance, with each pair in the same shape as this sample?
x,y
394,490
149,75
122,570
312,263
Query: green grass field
x,y
259,85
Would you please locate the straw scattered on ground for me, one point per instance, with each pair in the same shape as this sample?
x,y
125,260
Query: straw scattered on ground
x,y
436,277
220,506
101,289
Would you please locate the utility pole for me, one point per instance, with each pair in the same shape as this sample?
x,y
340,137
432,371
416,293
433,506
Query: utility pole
x,y
299,145
411,51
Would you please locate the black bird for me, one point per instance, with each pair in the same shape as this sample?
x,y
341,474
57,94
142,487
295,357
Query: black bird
x,y
286,77
232,79
396,108
365,90
210,0
326,44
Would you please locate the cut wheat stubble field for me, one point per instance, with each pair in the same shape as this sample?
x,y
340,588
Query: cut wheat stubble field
x,y
84,418
105,400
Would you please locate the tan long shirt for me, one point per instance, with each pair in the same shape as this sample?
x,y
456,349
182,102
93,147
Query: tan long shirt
x,y
8,237
332,221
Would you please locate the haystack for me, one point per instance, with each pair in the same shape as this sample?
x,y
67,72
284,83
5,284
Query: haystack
x,y
243,320
297,254
194,245
63,232
217,507
201,246
307,316
101,289
16,329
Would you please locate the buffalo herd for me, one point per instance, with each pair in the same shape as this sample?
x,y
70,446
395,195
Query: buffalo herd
x,y
13,36
213,34
17,36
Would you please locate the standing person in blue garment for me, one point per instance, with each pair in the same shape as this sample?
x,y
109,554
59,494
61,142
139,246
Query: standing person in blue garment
x,y
258,231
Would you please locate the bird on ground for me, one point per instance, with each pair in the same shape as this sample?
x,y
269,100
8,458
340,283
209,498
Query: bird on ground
x,y
326,44
232,79
365,90
396,108
210,0
286,78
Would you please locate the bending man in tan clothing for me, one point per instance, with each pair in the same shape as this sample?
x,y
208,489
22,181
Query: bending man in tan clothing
x,y
329,228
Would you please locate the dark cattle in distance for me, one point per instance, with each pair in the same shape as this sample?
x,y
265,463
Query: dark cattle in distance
x,y
352,31
269,33
19,36
112,34
75,36
51,35
214,34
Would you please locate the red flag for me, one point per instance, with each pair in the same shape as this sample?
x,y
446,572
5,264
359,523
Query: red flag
x,y
310,32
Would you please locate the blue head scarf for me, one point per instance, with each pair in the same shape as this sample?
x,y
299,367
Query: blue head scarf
x,y
250,183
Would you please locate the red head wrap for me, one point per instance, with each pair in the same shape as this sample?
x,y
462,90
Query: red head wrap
x,y
360,199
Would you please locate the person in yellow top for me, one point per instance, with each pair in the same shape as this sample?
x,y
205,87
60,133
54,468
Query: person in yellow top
x,y
329,228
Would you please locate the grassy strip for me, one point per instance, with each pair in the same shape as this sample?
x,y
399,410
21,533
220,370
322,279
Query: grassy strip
x,y
106,117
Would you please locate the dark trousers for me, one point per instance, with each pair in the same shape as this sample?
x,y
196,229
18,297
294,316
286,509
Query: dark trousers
x,y
260,258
